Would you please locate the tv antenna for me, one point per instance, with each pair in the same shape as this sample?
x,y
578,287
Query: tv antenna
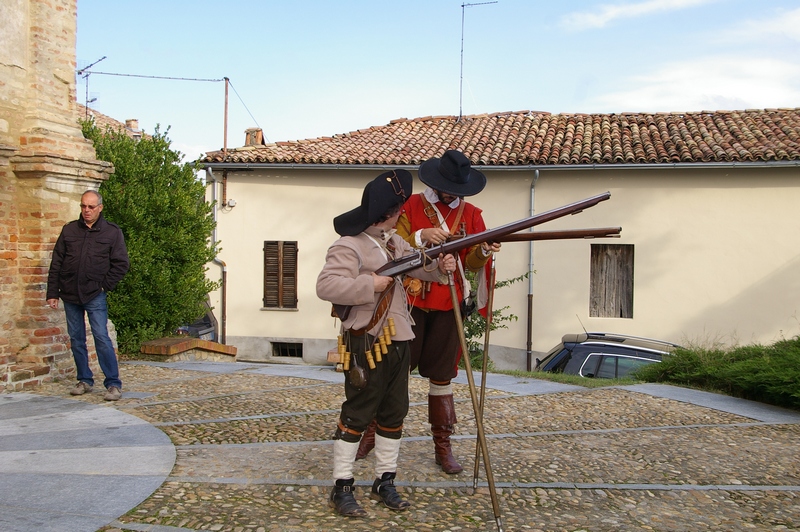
x,y
461,80
84,73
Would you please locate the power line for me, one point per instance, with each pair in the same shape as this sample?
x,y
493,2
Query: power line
x,y
85,72
245,106
150,77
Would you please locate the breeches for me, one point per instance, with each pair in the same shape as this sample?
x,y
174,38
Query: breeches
x,y
436,348
385,397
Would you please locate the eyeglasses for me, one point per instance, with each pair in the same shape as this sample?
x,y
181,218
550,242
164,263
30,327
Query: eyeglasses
x,y
90,207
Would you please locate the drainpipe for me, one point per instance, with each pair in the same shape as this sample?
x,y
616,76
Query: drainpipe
x,y
530,281
224,299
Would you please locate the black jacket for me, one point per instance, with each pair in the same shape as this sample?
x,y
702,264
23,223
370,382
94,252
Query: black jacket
x,y
87,260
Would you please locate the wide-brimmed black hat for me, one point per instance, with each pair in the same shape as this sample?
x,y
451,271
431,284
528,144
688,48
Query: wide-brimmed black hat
x,y
381,194
452,174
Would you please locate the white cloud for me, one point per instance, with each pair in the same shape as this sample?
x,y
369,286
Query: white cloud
x,y
711,83
779,25
607,13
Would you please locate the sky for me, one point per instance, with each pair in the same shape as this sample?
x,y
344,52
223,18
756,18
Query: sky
x,y
302,69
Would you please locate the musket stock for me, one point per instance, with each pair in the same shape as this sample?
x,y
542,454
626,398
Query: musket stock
x,y
415,260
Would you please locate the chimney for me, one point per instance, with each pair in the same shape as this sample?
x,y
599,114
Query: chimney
x,y
132,124
254,136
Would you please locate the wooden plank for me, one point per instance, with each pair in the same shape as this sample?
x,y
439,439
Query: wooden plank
x,y
179,344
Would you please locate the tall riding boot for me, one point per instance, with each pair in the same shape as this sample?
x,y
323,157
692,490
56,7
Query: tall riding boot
x,y
442,416
367,442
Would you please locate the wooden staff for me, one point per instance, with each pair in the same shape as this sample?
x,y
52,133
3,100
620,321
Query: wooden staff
x,y
476,408
489,303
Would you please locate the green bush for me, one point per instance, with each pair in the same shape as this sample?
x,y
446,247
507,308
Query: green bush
x,y
160,206
768,374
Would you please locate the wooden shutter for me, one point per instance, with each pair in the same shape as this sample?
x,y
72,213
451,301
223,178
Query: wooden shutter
x,y
611,284
288,288
280,274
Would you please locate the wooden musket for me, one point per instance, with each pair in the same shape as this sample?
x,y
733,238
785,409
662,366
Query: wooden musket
x,y
415,260
422,256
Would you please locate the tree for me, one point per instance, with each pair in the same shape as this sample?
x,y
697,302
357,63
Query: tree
x,y
160,206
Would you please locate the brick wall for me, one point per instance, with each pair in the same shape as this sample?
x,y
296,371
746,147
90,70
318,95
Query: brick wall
x,y
45,166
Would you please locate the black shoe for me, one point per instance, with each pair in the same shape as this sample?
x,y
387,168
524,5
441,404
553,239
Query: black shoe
x,y
343,500
383,490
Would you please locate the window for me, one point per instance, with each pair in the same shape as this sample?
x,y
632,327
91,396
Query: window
x,y
611,284
626,365
284,349
280,274
612,366
607,369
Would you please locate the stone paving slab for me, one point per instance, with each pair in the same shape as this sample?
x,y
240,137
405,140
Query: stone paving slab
x,y
253,453
46,520
753,409
68,465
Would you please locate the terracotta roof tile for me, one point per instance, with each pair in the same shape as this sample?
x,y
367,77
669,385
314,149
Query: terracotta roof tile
x,y
538,138
106,122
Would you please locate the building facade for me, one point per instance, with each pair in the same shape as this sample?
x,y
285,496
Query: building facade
x,y
707,254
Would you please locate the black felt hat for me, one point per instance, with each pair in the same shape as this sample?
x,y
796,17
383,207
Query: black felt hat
x,y
452,174
381,194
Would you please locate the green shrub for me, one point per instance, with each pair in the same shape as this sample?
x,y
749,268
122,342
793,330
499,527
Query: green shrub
x,y
769,374
160,206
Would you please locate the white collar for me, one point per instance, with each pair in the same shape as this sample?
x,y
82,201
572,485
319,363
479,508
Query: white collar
x,y
432,197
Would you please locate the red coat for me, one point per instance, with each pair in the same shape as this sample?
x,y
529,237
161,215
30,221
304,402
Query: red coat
x,y
414,219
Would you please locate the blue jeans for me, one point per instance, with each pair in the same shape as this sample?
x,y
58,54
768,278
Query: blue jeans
x,y
97,310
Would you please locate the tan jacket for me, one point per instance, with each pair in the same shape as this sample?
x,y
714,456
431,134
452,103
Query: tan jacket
x,y
346,279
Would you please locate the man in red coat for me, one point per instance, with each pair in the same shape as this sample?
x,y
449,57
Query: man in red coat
x,y
437,214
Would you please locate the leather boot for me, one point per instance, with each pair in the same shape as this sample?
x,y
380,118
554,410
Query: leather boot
x,y
383,490
343,500
367,442
442,416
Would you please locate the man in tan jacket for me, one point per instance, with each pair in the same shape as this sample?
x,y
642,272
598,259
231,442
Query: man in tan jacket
x,y
375,305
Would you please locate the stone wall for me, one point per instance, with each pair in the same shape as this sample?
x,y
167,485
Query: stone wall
x,y
45,166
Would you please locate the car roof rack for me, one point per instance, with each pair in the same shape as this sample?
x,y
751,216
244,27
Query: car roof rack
x,y
615,337
623,337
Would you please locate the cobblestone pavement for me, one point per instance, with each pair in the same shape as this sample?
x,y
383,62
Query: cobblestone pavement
x,y
254,454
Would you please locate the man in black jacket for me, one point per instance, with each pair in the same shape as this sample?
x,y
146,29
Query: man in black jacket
x,y
89,259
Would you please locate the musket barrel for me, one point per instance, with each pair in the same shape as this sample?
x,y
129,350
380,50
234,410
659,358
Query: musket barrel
x,y
405,264
601,232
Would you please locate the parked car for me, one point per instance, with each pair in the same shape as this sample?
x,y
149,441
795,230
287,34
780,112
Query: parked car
x,y
603,355
204,327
